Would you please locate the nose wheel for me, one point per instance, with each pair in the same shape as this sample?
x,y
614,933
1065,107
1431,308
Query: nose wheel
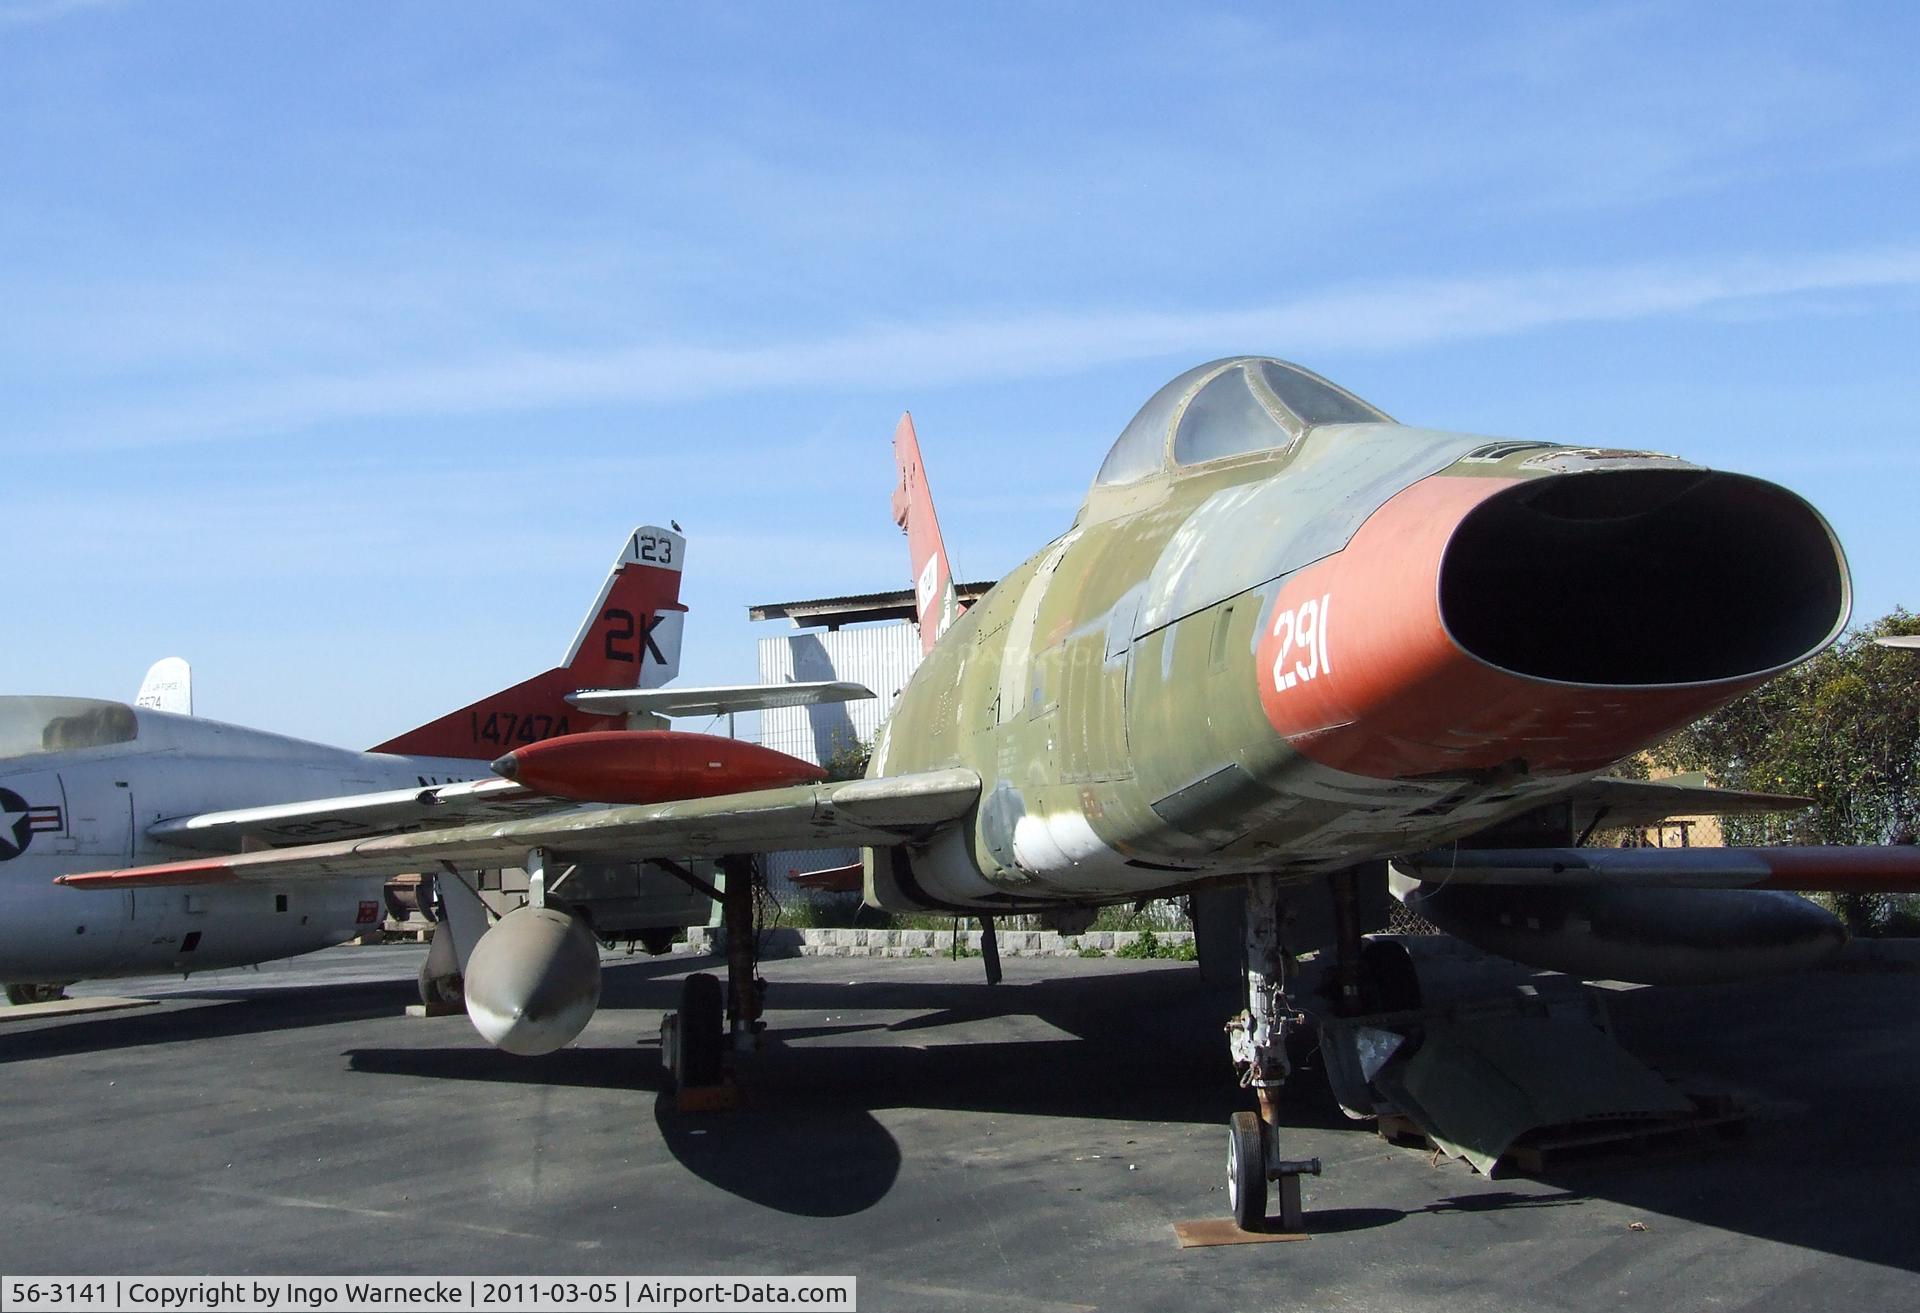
x,y
1253,1160
1247,1170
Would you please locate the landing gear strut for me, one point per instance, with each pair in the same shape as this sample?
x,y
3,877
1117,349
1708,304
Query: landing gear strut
x,y
1258,1040
744,985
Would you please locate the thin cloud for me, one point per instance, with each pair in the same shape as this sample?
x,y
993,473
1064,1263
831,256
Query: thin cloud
x,y
26,13
1379,317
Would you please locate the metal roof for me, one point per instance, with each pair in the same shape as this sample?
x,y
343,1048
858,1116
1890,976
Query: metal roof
x,y
832,612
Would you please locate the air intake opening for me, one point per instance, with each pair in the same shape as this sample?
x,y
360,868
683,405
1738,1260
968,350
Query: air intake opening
x,y
1642,577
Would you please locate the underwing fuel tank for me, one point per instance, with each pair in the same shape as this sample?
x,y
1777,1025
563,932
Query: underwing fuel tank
x,y
650,766
1645,936
533,981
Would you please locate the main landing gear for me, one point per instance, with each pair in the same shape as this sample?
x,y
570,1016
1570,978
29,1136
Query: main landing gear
x,y
695,1038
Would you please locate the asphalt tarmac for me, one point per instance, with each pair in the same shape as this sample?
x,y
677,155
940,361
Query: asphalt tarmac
x,y
1027,1146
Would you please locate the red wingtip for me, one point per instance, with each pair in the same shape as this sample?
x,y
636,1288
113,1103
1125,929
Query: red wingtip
x,y
162,875
832,879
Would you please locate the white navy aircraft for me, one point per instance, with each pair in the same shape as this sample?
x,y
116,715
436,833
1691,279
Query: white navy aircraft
x,y
88,784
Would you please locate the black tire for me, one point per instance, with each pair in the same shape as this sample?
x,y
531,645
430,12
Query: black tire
x,y
658,941
1247,1171
440,984
440,991
21,995
702,1029
1389,982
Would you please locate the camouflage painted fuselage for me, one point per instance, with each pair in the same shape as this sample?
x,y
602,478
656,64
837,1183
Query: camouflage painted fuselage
x,y
1369,640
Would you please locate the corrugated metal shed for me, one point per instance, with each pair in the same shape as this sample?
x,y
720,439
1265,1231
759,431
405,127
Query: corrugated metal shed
x,y
883,657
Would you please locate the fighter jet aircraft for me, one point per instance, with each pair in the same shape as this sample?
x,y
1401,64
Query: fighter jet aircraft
x,y
86,783
1286,640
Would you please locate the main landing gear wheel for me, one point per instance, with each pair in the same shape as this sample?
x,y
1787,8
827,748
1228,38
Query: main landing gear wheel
x,y
1247,1170
440,981
441,991
47,993
701,1028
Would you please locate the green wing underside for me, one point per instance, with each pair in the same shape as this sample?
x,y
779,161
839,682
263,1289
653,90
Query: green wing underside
x,y
864,813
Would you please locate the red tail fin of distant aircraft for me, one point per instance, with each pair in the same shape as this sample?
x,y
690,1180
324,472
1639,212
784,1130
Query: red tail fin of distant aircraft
x,y
934,599
630,639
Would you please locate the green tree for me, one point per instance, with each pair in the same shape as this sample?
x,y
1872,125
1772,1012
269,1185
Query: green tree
x,y
1842,729
848,758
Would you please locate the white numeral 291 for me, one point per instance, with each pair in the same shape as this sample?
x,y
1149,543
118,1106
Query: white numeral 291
x,y
1306,634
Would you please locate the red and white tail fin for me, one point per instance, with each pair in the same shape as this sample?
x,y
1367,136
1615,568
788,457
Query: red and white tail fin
x,y
934,598
630,639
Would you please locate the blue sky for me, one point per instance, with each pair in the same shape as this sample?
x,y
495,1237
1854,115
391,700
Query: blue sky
x,y
341,345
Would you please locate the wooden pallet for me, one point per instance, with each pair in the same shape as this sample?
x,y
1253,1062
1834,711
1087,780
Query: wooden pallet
x,y
724,1097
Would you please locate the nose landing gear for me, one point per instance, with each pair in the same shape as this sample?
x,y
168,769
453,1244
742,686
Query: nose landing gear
x,y
1258,1040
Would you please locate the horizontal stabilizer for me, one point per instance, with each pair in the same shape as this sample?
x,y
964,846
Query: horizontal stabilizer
x,y
1833,868
717,699
864,813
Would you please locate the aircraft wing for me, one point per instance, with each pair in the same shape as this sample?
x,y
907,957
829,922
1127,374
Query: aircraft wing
x,y
716,699
352,816
1635,803
1900,640
1836,868
866,813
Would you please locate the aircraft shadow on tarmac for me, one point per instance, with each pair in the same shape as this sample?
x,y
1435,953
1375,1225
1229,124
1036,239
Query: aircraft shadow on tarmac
x,y
1829,1064
811,1106
239,1011
245,1007
1338,1221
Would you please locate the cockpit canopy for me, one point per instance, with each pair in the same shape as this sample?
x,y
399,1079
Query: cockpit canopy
x,y
30,725
1229,408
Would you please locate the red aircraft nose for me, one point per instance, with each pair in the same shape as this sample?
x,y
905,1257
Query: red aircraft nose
x,y
1565,621
650,766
